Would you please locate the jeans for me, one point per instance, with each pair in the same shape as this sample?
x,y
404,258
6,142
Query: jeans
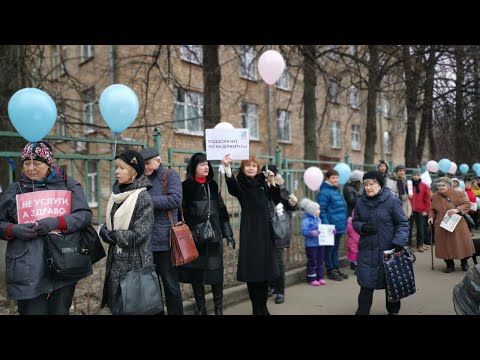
x,y
365,299
427,231
419,220
279,283
331,254
169,279
57,303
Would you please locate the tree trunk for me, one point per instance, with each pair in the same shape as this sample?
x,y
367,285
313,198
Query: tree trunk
x,y
461,150
427,110
411,88
310,109
372,88
211,87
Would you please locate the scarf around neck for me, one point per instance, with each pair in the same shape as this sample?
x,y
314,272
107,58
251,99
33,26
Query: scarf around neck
x,y
123,215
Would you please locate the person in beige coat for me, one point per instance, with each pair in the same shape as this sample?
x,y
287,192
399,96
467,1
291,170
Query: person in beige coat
x,y
450,245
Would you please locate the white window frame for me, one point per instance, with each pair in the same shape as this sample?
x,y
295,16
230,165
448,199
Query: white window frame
x,y
250,119
192,54
331,52
386,107
356,137
335,135
248,63
92,187
58,54
61,121
284,126
86,52
89,110
284,81
334,91
387,142
353,97
191,99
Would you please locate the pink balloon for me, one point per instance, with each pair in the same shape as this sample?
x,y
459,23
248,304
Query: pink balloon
x,y
453,168
313,178
432,166
271,66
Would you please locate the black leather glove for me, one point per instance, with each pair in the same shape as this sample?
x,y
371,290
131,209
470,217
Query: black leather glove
x,y
108,236
231,241
44,226
369,228
397,248
24,231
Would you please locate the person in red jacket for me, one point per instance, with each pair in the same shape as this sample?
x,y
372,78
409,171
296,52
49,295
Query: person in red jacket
x,y
420,206
471,196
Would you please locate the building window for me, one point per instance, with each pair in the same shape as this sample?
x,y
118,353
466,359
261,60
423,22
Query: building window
x,y
92,184
283,124
386,107
283,82
89,110
248,65
335,135
58,55
61,120
353,97
356,137
387,142
332,52
188,111
86,52
192,53
250,119
334,91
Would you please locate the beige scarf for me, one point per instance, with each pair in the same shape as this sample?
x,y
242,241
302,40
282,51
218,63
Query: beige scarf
x,y
123,215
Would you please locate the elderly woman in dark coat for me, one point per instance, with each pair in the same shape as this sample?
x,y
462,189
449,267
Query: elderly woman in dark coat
x,y
36,289
256,264
382,225
202,201
129,220
451,245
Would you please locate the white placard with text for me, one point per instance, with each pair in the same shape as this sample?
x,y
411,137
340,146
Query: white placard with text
x,y
220,142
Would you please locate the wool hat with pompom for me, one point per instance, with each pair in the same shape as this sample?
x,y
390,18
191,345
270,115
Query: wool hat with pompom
x,y
309,206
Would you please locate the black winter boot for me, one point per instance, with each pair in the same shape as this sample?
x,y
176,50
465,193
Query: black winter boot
x,y
199,294
464,264
217,291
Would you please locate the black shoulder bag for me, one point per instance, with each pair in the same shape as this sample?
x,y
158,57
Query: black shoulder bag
x,y
203,233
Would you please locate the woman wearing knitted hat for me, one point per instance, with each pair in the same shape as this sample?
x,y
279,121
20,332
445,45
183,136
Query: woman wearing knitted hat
x,y
28,280
451,245
129,220
382,225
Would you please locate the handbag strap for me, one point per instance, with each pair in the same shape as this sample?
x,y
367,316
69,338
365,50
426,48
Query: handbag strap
x,y
169,212
454,206
208,195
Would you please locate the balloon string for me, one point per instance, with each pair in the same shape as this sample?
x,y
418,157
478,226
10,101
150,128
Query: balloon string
x,y
114,144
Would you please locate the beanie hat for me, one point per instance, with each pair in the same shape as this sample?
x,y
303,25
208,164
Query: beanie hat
x,y
399,167
375,175
380,162
279,179
272,168
445,180
415,172
40,151
309,206
134,159
148,153
356,175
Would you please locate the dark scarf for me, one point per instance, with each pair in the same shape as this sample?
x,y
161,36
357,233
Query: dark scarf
x,y
416,184
402,187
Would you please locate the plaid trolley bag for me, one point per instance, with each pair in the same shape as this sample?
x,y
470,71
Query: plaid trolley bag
x,y
399,274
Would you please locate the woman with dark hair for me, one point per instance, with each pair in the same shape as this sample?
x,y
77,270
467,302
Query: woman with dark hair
x,y
37,290
256,265
202,201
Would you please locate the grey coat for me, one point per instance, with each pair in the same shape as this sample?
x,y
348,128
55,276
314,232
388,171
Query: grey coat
x,y
27,275
121,257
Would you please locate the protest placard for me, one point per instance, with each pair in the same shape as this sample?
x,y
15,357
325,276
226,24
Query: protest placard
x,y
326,236
220,142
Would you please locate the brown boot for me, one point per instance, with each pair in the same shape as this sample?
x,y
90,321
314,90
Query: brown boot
x,y
420,248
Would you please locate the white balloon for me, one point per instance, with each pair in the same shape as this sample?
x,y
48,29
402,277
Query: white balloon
x,y
271,66
224,125
313,178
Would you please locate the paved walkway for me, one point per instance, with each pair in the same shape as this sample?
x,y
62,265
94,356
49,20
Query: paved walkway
x,y
433,296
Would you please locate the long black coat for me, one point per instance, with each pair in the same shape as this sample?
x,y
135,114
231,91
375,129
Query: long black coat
x,y
256,255
208,267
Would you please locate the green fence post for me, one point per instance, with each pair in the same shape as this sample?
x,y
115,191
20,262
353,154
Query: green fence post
x,y
157,138
347,160
278,157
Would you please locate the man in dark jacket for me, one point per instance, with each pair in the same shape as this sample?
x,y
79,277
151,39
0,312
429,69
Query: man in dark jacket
x,y
162,203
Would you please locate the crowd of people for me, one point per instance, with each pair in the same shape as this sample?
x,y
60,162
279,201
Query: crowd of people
x,y
375,210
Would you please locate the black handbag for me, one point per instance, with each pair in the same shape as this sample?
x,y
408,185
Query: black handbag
x,y
92,243
280,225
399,274
203,233
140,292
66,255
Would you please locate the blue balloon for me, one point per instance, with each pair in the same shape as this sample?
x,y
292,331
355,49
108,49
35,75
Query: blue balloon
x,y
463,168
444,165
461,184
32,113
118,106
476,167
344,172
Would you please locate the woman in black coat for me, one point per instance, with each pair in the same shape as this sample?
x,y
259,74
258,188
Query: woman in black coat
x,y
200,198
256,265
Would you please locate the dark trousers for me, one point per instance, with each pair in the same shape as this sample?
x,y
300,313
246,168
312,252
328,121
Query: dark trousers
x,y
57,303
169,279
331,254
279,283
427,240
258,292
365,299
419,220
315,256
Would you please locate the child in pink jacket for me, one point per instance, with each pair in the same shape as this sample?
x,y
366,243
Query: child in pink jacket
x,y
352,244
